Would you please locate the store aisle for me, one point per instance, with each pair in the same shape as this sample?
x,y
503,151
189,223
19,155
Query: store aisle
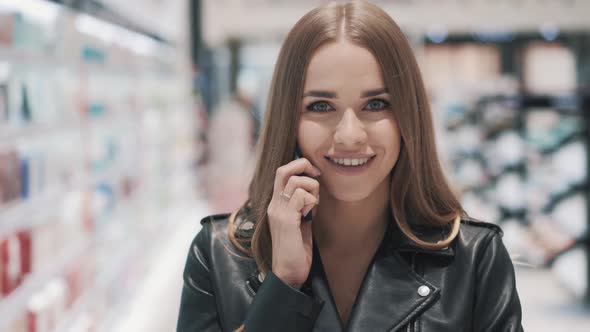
x,y
155,306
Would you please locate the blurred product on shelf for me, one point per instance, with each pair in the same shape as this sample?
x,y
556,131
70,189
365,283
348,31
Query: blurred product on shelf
x,y
4,106
7,21
11,265
10,185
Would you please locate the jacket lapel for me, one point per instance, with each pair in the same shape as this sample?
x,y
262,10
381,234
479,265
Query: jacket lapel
x,y
391,294
389,297
329,319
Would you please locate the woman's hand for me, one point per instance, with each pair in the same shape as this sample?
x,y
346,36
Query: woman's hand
x,y
293,197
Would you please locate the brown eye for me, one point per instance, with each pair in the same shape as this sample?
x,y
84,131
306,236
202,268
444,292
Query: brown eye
x,y
320,106
377,104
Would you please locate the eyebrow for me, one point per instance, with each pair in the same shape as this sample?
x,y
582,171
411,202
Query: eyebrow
x,y
332,95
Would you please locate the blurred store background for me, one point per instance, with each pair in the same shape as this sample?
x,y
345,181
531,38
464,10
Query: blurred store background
x,y
123,123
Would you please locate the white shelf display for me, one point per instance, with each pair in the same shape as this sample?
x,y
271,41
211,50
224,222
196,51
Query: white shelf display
x,y
517,152
96,145
521,162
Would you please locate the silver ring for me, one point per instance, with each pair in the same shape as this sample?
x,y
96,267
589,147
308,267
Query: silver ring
x,y
285,195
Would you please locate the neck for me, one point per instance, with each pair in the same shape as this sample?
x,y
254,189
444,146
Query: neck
x,y
352,227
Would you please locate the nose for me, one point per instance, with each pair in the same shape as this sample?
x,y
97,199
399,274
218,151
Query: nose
x,y
350,132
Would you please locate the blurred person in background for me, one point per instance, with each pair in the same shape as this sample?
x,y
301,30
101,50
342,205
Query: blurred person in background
x,y
231,155
247,95
389,248
231,145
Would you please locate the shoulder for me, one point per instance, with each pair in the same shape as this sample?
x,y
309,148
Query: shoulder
x,y
212,228
474,235
476,239
474,231
472,227
213,236
219,219
483,243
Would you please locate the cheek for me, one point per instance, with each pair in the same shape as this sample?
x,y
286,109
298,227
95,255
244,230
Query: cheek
x,y
390,137
389,133
310,134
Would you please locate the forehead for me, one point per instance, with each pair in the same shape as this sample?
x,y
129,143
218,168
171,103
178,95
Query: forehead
x,y
343,62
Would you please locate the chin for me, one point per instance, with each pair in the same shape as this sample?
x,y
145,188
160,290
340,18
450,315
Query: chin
x,y
351,195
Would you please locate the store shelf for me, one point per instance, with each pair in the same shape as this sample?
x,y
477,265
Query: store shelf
x,y
111,176
104,279
106,120
121,305
10,135
28,58
130,252
31,212
17,301
110,147
34,59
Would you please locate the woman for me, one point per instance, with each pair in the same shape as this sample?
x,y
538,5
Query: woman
x,y
389,247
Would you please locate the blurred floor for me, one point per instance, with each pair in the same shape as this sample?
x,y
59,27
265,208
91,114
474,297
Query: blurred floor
x,y
546,305
155,306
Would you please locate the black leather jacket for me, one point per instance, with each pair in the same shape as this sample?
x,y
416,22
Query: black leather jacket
x,y
469,286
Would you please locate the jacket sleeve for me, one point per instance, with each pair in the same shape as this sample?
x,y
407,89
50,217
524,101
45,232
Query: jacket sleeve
x,y
198,310
276,305
497,304
279,307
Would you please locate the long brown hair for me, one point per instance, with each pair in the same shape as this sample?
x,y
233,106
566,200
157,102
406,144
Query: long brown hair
x,y
420,194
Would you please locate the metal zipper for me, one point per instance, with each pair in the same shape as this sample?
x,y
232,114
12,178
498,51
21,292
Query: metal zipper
x,y
412,326
250,288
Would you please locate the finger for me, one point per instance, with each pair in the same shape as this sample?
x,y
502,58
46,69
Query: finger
x,y
295,167
310,185
300,199
308,208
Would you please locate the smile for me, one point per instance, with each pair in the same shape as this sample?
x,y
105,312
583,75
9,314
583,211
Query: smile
x,y
351,166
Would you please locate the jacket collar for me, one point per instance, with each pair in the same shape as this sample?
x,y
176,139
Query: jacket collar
x,y
401,243
389,296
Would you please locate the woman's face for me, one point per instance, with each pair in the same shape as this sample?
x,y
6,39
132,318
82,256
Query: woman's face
x,y
346,114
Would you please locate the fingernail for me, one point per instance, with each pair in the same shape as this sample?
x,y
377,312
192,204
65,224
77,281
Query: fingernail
x,y
317,171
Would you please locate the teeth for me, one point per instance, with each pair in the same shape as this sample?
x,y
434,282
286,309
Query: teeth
x,y
351,162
